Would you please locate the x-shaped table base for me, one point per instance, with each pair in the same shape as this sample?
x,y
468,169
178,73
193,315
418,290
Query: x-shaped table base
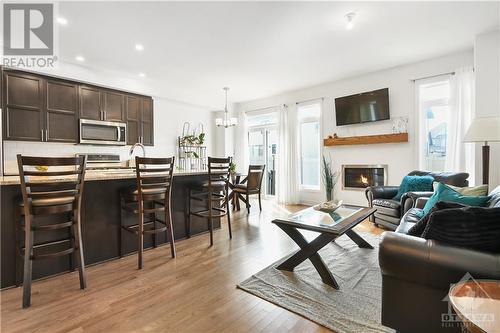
x,y
309,250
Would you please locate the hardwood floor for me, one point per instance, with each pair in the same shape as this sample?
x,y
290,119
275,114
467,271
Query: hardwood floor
x,y
196,292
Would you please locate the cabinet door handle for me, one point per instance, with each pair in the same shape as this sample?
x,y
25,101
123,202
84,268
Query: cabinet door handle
x,y
46,135
41,132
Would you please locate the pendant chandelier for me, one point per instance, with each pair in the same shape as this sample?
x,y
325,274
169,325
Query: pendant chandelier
x,y
226,121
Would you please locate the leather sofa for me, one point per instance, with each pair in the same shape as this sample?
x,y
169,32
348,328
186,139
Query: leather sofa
x,y
417,273
389,211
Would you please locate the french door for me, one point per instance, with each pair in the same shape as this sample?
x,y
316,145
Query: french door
x,y
262,146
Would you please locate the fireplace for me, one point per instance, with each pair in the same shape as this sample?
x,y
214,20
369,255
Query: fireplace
x,y
359,177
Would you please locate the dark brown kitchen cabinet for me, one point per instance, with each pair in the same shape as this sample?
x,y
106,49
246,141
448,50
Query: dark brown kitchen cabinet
x,y
40,109
61,117
147,122
47,109
100,104
90,103
133,108
140,124
23,115
113,106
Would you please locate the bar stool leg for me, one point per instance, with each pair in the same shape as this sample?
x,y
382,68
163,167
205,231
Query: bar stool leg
x,y
72,242
140,236
248,204
229,222
28,264
17,230
210,221
120,241
155,235
170,230
188,215
78,240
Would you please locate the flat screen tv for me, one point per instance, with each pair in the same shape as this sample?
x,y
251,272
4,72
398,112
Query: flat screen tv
x,y
362,108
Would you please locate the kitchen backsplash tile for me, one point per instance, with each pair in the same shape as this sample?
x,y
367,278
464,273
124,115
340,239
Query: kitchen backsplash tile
x,y
12,148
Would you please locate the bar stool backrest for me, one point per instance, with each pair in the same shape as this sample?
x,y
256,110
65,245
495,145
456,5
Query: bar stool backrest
x,y
218,171
255,176
63,179
154,177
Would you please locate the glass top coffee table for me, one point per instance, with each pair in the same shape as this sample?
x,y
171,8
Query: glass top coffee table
x,y
330,226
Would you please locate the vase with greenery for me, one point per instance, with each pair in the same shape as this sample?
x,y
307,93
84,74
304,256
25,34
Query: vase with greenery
x,y
232,171
330,178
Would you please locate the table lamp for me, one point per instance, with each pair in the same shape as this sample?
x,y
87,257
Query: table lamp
x,y
484,129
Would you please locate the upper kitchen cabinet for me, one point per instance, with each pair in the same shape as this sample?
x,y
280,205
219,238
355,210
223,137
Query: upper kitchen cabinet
x,y
90,103
147,122
23,115
133,105
113,106
101,104
61,117
140,125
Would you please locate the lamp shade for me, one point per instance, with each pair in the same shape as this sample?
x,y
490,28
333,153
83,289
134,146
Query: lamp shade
x,y
483,129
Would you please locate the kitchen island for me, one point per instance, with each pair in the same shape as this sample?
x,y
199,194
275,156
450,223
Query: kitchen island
x,y
101,216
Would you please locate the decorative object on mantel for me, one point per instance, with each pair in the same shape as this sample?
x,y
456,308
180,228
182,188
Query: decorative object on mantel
x,y
191,152
484,130
365,140
330,178
226,121
400,125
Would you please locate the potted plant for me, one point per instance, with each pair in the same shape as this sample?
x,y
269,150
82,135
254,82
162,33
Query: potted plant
x,y
330,178
232,171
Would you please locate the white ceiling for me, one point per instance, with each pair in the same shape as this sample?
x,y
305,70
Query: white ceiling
x,y
193,49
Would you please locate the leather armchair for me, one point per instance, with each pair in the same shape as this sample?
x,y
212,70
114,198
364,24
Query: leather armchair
x,y
417,273
416,277
389,211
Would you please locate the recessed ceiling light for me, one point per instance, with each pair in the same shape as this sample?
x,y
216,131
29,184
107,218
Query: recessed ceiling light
x,y
349,18
80,58
142,75
139,47
62,21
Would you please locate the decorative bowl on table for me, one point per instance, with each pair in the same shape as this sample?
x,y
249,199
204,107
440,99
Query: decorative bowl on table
x,y
328,206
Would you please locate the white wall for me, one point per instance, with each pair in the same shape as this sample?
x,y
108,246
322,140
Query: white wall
x,y
169,116
487,67
400,157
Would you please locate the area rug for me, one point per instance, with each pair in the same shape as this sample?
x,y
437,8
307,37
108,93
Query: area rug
x,y
356,307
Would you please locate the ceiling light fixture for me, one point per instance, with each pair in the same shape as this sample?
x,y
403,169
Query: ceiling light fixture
x,y
142,75
226,121
139,47
80,58
349,18
62,21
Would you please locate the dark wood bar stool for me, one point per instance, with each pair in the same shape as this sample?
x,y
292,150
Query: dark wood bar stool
x,y
60,193
215,193
252,184
151,196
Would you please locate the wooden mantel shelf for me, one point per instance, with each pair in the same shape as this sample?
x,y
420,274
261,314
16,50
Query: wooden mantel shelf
x,y
366,140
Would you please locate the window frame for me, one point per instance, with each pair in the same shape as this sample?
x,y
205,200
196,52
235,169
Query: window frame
x,y
300,121
420,120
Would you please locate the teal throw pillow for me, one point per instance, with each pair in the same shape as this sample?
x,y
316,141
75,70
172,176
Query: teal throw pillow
x,y
446,193
414,184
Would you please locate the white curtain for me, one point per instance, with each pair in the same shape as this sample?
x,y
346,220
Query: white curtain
x,y
241,153
460,155
287,175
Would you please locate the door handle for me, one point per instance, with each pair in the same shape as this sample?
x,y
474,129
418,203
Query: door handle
x,y
46,135
41,133
119,133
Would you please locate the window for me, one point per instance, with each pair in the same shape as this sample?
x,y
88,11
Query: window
x,y
309,144
433,102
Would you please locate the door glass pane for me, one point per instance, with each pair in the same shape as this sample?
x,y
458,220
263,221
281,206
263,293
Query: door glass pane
x,y
434,111
271,162
309,147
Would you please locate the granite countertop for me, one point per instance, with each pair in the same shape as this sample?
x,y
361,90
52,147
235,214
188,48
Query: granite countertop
x,y
93,175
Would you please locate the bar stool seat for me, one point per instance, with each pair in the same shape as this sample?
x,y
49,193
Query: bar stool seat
x,y
132,194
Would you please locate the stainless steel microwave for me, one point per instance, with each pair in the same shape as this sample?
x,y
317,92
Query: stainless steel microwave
x,y
98,132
